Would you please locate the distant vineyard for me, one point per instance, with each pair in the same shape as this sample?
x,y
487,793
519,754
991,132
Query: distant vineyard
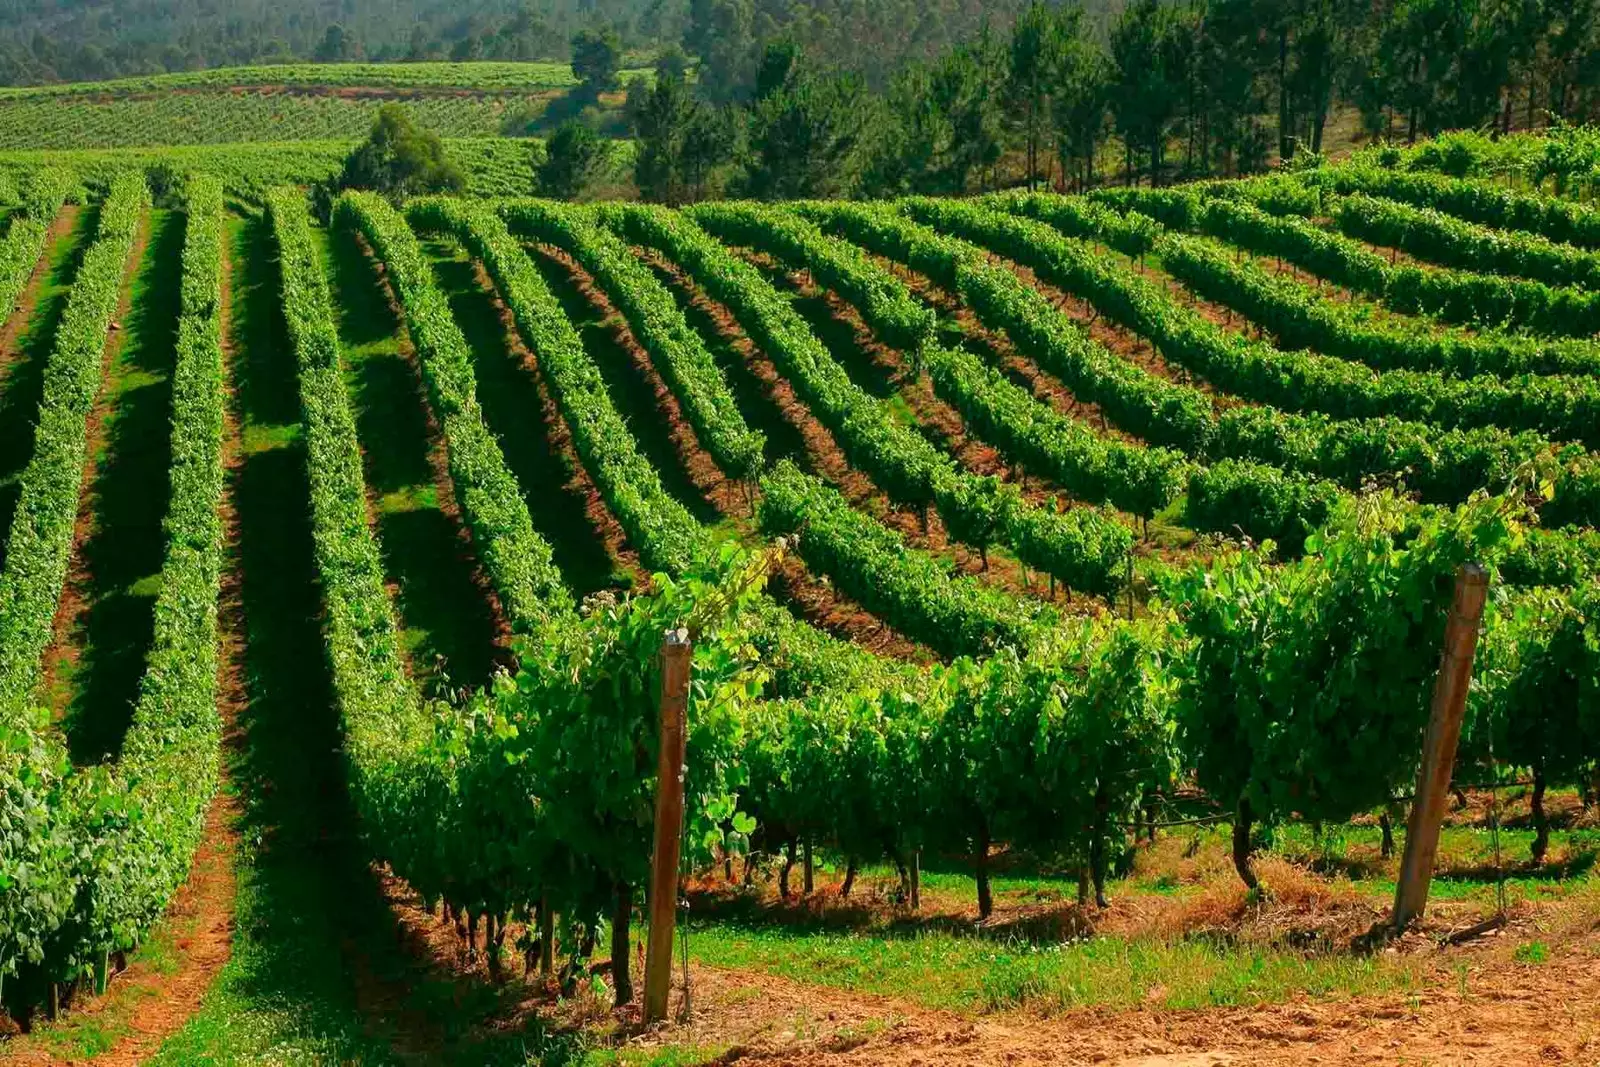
x,y
965,502
480,76
237,117
495,166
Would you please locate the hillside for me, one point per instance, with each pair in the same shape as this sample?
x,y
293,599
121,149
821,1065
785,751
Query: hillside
x,y
1066,578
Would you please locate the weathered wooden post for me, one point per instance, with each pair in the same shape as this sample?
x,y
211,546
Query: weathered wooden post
x,y
676,653
1439,745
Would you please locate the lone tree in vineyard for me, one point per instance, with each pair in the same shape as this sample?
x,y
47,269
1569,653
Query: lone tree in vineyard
x,y
400,159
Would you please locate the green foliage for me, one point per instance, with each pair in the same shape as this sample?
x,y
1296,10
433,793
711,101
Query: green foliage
x,y
399,159
516,558
1350,434
575,158
664,532
1440,238
1474,201
41,531
1081,548
806,141
1463,297
871,564
681,140
1305,687
142,832
677,350
596,58
104,849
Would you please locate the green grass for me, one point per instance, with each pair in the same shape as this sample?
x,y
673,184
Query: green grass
x,y
448,626
123,554
78,1036
962,973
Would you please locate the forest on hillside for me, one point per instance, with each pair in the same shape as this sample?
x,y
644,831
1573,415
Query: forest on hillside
x,y
70,40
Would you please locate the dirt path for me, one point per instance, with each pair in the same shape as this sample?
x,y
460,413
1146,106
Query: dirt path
x,y
1485,1009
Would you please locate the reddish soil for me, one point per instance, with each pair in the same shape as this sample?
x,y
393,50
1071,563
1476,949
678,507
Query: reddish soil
x,y
1508,1014
1474,1003
607,529
72,610
145,1004
816,602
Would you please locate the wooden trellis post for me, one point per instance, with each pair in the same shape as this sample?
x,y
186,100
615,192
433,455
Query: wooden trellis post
x,y
1439,745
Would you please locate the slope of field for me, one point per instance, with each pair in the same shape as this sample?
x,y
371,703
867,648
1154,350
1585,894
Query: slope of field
x,y
1010,462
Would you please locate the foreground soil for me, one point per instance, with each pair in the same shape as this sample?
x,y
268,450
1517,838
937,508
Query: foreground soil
x,y
1480,1008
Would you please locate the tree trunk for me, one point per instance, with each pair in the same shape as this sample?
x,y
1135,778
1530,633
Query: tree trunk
x,y
547,938
1284,118
1541,824
491,947
1097,849
1241,846
810,870
621,952
985,897
783,875
916,880
1387,826
849,878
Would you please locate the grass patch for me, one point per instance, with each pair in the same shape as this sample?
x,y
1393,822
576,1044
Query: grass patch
x,y
941,970
448,627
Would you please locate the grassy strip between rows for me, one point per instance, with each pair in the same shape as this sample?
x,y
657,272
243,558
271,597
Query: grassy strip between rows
x,y
384,723
517,559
